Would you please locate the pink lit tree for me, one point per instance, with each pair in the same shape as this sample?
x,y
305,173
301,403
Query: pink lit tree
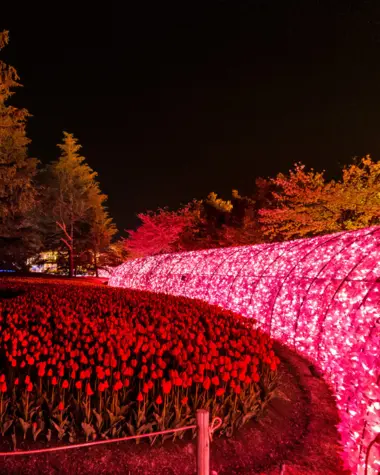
x,y
162,231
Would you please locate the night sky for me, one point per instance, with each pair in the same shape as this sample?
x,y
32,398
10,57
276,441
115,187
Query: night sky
x,y
171,101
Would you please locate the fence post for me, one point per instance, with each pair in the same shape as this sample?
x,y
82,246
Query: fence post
x,y
203,443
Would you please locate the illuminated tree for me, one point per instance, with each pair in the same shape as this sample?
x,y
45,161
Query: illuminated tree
x,y
163,231
358,194
17,169
228,223
98,240
300,205
305,204
209,223
214,213
114,255
77,203
242,226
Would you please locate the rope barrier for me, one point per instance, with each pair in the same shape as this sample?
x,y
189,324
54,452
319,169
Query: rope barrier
x,y
98,442
215,424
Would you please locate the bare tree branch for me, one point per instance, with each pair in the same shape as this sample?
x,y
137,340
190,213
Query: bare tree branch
x,y
64,229
67,244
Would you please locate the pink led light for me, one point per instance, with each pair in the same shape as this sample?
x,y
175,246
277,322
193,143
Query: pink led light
x,y
319,295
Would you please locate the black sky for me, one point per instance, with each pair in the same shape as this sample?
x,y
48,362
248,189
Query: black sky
x,y
171,101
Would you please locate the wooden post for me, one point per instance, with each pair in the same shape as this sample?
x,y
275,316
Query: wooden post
x,y
203,443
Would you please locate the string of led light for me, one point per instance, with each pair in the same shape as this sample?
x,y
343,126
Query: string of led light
x,y
322,294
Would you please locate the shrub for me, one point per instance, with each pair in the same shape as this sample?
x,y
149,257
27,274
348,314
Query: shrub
x,y
106,362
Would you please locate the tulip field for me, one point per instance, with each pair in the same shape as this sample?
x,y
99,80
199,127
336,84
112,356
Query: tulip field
x,y
84,361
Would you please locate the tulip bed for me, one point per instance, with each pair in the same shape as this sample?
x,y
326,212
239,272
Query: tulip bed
x,y
86,360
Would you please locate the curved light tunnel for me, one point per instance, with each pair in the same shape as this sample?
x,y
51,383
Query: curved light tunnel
x,y
320,296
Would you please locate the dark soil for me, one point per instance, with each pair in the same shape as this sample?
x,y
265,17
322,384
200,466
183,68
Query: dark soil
x,y
296,436
6,293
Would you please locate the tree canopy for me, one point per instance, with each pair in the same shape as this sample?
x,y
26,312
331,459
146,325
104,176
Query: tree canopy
x,y
65,210
17,171
77,204
305,204
162,231
302,203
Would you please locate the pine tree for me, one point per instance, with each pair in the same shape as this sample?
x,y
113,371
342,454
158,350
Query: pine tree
x,y
17,169
99,238
77,202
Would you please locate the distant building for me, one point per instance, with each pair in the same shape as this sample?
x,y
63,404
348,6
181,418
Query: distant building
x,y
45,262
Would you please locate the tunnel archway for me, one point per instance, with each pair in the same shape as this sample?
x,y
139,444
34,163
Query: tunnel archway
x,y
320,296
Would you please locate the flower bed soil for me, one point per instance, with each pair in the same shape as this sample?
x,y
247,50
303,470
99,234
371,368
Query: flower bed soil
x,y
296,436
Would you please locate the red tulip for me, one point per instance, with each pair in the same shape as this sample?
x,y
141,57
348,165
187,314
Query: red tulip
x,y
237,389
166,386
89,391
159,400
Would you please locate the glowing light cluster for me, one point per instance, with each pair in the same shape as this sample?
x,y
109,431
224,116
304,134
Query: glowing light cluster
x,y
320,296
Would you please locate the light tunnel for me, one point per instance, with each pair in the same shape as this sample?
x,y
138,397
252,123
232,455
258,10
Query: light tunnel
x,y
319,296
